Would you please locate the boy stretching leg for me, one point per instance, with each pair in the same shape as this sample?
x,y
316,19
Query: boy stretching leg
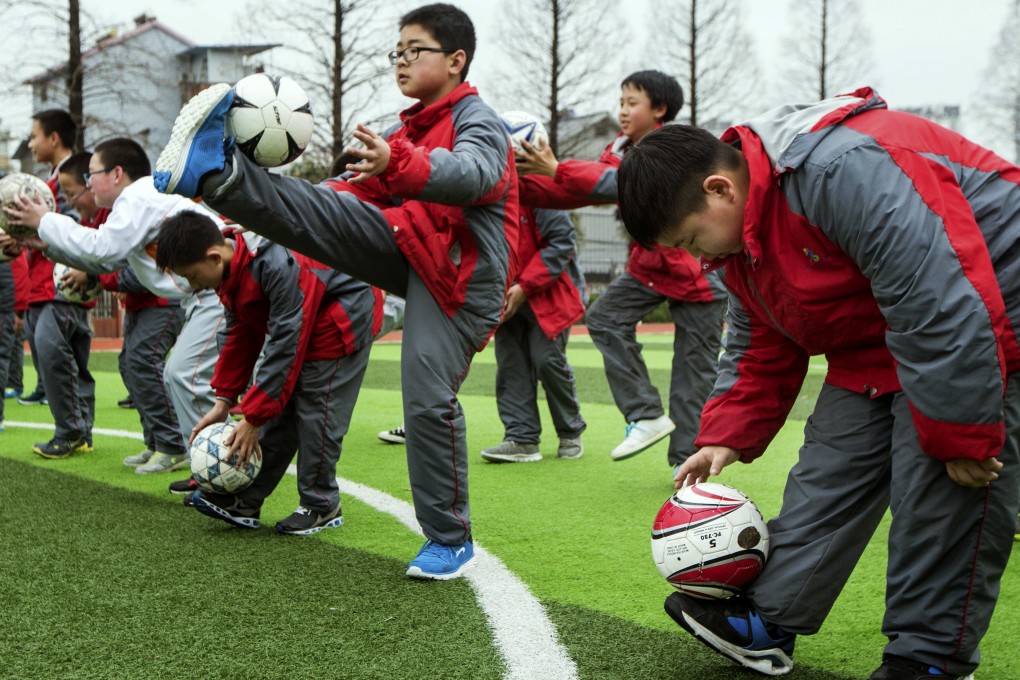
x,y
446,248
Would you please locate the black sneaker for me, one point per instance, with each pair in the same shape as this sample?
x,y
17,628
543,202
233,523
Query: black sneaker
x,y
34,399
229,509
126,402
186,486
394,436
305,522
899,668
61,448
735,629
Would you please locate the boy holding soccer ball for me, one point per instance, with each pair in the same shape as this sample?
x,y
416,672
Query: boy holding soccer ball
x,y
431,217
886,243
316,326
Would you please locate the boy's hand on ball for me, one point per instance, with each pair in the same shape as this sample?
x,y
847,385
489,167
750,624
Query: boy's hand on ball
x,y
374,157
709,460
27,212
244,443
217,414
537,160
974,473
76,280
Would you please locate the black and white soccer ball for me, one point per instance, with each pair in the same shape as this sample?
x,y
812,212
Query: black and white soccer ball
x,y
270,119
521,125
92,290
213,467
22,184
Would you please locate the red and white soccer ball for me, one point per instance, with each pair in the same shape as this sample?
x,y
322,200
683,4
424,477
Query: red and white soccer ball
x,y
709,540
270,119
521,125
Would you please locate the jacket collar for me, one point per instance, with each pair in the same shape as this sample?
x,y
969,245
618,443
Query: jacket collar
x,y
419,117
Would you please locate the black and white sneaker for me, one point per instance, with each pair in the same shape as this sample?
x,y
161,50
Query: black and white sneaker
x,y
229,509
305,522
394,436
735,629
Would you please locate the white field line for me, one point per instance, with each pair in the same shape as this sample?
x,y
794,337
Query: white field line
x,y
522,632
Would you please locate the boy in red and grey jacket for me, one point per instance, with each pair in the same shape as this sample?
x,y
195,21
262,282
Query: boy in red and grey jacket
x,y
887,244
696,302
315,328
431,217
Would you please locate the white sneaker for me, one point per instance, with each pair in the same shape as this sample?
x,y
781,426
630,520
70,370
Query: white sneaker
x,y
570,449
163,462
394,436
139,458
512,452
641,434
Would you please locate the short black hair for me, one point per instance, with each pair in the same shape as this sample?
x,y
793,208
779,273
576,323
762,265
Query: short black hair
x,y
76,166
449,25
59,121
660,88
660,178
184,238
128,154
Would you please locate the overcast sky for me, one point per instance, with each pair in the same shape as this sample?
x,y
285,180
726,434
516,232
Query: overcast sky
x,y
925,51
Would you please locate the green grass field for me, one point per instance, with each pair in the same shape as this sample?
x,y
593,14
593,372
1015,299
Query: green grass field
x,y
103,574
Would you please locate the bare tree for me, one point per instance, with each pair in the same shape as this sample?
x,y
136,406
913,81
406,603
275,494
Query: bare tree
x,y
999,103
337,59
829,48
561,57
706,42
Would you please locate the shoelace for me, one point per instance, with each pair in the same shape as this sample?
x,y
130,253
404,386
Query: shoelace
x,y
630,428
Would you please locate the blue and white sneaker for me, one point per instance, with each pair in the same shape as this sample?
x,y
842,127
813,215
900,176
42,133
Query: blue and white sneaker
x,y
735,629
230,509
438,562
198,143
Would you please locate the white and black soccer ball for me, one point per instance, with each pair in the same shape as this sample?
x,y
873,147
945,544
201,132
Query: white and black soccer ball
x,y
211,467
270,119
92,290
709,540
22,184
521,125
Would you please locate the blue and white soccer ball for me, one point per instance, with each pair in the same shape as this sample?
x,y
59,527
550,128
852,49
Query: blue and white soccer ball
x,y
270,119
92,290
210,466
521,125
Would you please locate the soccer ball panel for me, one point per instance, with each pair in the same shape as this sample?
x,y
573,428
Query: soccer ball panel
x,y
211,467
709,540
521,125
270,119
29,186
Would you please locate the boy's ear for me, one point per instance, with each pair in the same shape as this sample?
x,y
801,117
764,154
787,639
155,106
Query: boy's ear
x,y
457,61
659,112
214,255
718,185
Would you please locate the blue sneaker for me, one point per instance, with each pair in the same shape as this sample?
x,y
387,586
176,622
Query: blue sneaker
x,y
438,562
735,629
198,143
230,509
898,668
11,393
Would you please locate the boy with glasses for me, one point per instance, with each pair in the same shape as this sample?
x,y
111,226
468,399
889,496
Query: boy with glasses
x,y
431,216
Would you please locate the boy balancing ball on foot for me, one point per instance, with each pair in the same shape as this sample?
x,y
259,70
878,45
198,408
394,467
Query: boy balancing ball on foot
x,y
886,243
446,248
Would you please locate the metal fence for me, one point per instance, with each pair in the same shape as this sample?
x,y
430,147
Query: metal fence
x,y
602,245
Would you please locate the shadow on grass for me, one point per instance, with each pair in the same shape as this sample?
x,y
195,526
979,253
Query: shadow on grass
x,y
98,582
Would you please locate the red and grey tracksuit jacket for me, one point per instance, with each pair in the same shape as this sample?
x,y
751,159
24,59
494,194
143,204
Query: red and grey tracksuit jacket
x,y
671,272
886,243
308,311
461,226
549,273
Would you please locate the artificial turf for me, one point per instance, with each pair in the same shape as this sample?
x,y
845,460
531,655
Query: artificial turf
x,y
104,574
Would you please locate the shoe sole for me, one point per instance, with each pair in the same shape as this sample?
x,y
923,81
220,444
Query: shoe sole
x,y
184,493
511,458
417,573
570,457
216,512
331,524
84,448
656,438
173,468
392,439
767,662
173,160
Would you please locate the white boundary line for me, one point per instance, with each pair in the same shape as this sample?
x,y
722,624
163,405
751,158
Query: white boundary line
x,y
523,634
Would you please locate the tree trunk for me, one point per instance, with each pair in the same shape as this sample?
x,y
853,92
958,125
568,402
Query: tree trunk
x,y
74,72
554,81
337,146
692,85
822,64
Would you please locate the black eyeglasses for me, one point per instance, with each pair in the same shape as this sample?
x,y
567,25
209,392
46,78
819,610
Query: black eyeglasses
x,y
88,175
411,53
